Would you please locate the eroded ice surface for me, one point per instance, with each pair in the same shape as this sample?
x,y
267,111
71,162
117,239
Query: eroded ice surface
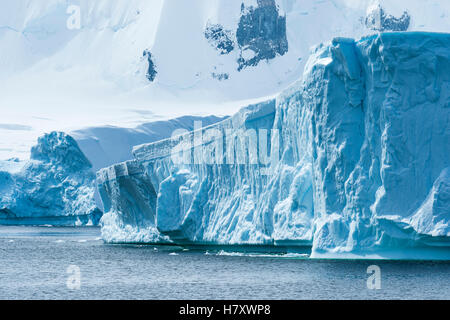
x,y
56,186
358,160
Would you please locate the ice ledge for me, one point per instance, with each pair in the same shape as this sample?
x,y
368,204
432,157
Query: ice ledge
x,y
163,149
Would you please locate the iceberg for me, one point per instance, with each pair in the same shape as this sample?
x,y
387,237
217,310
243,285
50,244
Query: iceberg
x,y
352,160
55,187
381,144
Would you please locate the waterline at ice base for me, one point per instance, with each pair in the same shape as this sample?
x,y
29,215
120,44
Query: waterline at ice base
x,y
353,160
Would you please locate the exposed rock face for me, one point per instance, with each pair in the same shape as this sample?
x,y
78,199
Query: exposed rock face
x,y
219,38
378,20
55,187
261,34
151,71
220,76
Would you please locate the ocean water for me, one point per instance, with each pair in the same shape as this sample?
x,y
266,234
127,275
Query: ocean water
x,y
73,263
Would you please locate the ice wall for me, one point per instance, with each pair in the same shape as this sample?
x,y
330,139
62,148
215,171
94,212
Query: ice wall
x,y
381,143
354,159
56,186
229,197
130,207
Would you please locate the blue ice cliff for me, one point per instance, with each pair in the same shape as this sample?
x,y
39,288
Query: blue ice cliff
x,y
354,160
55,187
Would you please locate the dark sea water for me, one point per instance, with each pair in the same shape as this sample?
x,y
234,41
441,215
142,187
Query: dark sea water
x,y
41,263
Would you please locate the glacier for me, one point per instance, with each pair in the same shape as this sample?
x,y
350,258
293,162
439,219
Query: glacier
x,y
352,160
55,187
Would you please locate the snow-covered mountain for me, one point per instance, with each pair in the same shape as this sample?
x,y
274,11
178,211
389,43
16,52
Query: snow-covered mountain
x,y
66,65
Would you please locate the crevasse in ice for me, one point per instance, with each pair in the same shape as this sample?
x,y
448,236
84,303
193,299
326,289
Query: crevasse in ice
x,y
354,159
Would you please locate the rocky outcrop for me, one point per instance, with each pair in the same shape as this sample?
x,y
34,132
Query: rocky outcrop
x,y
378,20
222,40
151,70
261,34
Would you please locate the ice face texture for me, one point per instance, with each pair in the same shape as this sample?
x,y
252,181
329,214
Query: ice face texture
x,y
130,213
381,142
354,159
55,187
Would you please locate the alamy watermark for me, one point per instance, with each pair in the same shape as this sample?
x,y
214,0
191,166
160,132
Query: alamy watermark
x,y
74,277
374,280
74,20
225,146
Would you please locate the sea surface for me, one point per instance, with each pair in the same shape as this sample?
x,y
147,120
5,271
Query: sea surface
x,y
74,263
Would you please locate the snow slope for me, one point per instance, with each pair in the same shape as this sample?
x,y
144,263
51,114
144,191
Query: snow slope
x,y
57,78
358,162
